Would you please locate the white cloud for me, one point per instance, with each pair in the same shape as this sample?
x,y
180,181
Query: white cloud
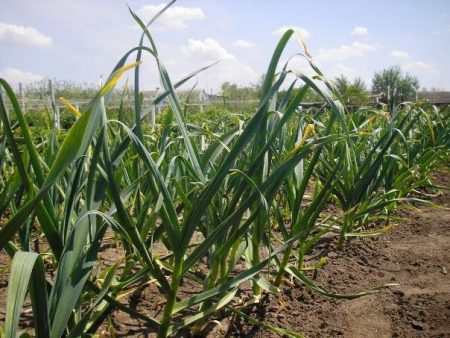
x,y
299,64
208,49
198,53
399,54
23,35
356,49
303,32
229,69
360,31
235,72
174,17
341,69
14,76
244,44
420,66
410,64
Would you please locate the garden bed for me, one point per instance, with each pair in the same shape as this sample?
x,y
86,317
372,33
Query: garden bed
x,y
415,254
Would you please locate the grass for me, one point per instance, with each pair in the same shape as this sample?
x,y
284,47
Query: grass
x,y
253,192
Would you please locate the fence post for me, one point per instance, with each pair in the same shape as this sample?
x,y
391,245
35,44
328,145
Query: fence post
x,y
2,94
155,109
56,118
22,97
203,140
153,116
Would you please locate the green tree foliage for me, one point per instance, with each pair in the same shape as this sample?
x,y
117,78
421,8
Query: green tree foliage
x,y
394,86
232,91
352,92
310,97
65,88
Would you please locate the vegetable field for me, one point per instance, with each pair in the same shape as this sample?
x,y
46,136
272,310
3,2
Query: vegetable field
x,y
213,225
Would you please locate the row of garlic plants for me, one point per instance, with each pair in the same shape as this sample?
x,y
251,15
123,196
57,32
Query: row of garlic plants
x,y
237,202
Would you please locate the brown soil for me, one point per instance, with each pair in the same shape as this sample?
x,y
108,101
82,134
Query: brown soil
x,y
415,254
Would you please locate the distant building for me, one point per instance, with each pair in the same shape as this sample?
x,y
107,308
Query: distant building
x,y
374,98
436,98
208,98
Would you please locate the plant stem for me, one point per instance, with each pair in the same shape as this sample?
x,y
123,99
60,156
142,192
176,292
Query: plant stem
x,y
171,299
284,262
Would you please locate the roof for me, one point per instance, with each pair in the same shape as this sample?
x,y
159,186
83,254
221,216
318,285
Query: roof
x,y
436,97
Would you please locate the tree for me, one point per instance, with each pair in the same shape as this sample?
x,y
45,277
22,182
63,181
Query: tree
x,y
394,86
352,92
233,92
65,88
259,84
311,95
341,83
230,89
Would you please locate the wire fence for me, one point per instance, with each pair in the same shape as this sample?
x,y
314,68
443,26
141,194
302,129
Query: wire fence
x,y
49,103
198,103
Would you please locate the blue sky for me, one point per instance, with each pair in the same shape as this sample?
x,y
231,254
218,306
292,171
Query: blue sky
x,y
82,40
